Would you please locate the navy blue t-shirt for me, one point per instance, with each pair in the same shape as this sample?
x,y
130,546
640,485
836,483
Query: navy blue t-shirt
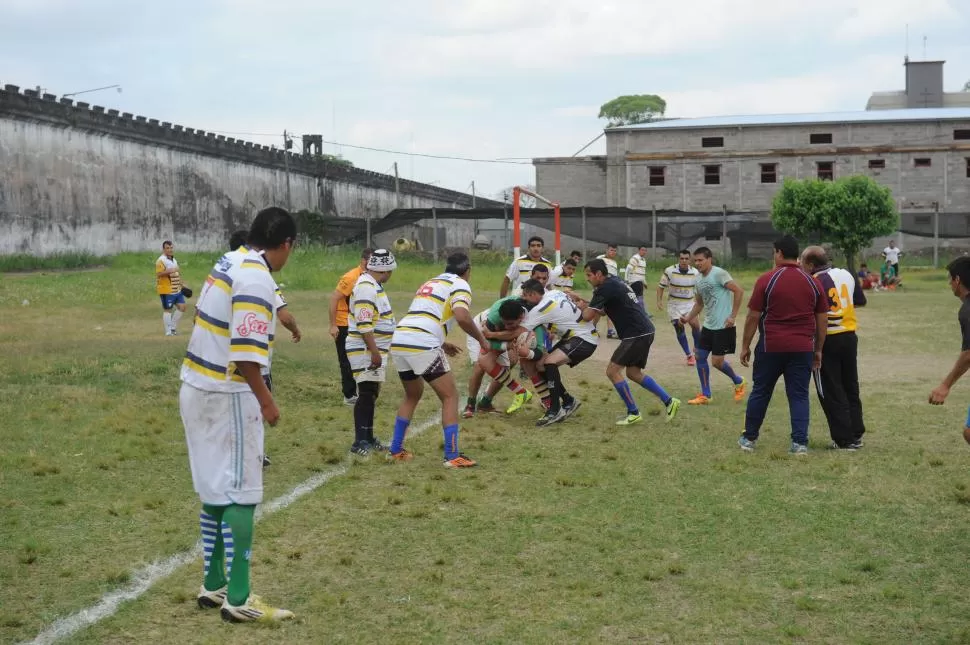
x,y
615,298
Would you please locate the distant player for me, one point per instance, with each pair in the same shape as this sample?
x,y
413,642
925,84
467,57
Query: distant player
x,y
561,277
339,311
168,286
716,291
521,267
636,272
679,281
959,271
420,353
371,326
609,259
615,299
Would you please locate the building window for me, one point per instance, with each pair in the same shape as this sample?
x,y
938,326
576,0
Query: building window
x,y
922,162
826,170
712,142
712,175
961,135
657,175
825,137
769,173
877,164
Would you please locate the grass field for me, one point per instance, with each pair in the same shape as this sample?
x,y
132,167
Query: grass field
x,y
577,534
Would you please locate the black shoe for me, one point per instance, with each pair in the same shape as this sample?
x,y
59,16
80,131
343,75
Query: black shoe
x,y
266,461
360,448
835,446
550,418
377,446
571,407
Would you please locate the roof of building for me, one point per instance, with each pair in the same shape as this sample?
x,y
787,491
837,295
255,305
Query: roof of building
x,y
761,120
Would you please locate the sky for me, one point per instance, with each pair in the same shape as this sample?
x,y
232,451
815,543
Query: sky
x,y
483,79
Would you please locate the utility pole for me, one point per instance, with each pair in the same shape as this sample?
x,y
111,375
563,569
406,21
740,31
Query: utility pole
x,y
473,193
397,188
287,144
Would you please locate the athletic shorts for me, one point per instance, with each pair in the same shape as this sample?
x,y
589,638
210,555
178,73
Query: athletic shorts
x,y
719,342
576,350
637,288
633,352
428,364
172,299
677,308
360,366
224,433
475,350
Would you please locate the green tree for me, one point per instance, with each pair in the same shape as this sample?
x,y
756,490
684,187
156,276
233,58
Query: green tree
x,y
631,109
848,213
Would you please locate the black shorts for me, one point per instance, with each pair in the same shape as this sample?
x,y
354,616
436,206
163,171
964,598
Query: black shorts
x,y
637,288
576,350
633,352
719,342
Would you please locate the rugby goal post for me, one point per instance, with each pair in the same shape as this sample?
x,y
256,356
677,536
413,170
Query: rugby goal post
x,y
517,193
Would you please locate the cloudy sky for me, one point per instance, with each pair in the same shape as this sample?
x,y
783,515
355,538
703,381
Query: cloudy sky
x,y
486,79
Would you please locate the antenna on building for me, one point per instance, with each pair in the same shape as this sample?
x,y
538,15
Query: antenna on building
x,y
906,57
924,47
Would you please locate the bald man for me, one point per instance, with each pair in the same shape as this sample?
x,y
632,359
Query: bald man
x,y
837,382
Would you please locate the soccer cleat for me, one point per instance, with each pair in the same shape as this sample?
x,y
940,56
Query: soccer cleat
x,y
630,420
360,449
571,408
266,461
255,610
211,599
377,446
700,399
611,334
691,361
551,417
746,444
404,455
468,412
461,461
671,408
518,402
798,449
852,446
350,400
739,390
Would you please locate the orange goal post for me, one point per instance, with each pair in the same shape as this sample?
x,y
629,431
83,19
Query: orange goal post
x,y
517,193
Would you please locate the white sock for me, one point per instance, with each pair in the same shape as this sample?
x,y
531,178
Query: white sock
x,y
167,321
176,315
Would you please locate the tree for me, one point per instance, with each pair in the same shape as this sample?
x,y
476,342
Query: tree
x,y
631,109
966,86
525,201
848,213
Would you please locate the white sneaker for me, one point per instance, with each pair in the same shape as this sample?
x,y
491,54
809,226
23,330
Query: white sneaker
x,y
211,599
350,400
254,610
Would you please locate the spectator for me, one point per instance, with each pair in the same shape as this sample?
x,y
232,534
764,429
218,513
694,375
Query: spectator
x,y
892,253
339,321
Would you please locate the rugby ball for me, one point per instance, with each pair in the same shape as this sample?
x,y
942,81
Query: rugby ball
x,y
527,339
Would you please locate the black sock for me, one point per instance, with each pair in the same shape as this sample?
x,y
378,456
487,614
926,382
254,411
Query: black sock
x,y
555,388
364,412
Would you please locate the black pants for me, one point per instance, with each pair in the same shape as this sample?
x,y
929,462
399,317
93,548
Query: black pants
x,y
347,382
837,384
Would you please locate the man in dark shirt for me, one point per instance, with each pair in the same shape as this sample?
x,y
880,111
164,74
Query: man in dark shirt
x,y
959,271
789,309
614,298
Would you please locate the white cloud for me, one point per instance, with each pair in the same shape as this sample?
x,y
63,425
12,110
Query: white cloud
x,y
577,111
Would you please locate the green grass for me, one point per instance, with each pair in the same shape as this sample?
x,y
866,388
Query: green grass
x,y
580,533
59,261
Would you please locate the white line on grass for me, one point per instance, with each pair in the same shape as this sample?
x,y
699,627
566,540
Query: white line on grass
x,y
149,575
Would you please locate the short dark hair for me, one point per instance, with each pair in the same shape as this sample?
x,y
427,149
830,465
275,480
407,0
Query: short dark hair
x,y
571,262
572,253
167,243
642,246
703,250
541,268
272,228
511,309
597,266
788,246
683,252
960,268
536,238
366,253
534,286
863,266
238,239
817,258
612,245
458,263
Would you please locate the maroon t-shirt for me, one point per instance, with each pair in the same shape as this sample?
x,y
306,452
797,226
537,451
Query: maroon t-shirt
x,y
788,299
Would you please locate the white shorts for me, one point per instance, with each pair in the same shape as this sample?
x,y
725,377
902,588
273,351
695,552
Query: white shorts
x,y
360,366
678,308
224,433
428,363
475,350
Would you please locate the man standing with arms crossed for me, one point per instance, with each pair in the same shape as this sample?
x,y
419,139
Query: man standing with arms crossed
x,y
721,296
636,272
339,312
789,309
837,382
223,403
168,286
679,280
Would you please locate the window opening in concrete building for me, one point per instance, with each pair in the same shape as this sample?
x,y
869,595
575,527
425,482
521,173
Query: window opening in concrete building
x,y
826,170
657,175
769,173
877,164
712,175
712,142
825,137
922,162
961,135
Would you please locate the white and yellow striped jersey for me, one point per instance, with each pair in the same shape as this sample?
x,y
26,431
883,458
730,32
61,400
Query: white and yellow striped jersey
x,y
431,313
559,281
561,317
370,312
636,269
839,286
611,266
679,284
235,322
521,268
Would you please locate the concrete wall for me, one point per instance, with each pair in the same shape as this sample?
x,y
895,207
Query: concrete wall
x,y
77,178
573,180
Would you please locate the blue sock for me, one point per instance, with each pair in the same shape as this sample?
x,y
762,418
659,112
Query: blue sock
x,y
682,339
697,336
726,368
451,441
400,429
623,389
703,370
654,388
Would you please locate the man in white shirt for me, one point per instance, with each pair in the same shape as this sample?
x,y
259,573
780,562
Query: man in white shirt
x,y
521,267
609,258
636,272
892,253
